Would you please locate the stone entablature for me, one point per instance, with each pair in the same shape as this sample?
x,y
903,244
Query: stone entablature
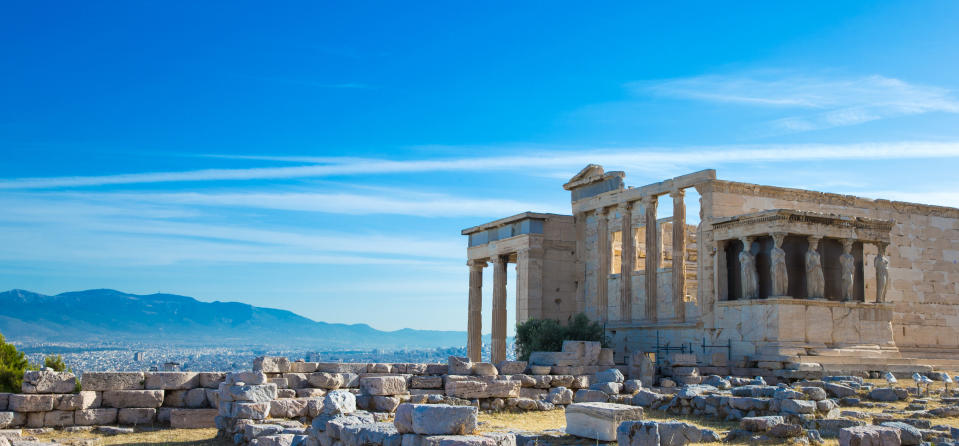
x,y
817,224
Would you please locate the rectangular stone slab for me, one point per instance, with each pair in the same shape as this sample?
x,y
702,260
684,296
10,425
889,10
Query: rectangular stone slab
x,y
598,421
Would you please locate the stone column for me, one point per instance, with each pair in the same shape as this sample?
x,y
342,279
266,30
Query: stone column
x,y
778,273
749,276
815,281
602,273
652,256
474,330
498,352
848,272
626,263
882,273
679,253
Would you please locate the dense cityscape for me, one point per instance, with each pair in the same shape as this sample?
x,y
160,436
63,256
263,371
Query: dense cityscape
x,y
145,357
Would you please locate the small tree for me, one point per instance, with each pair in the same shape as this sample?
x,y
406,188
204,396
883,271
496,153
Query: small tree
x,y
12,365
547,335
55,362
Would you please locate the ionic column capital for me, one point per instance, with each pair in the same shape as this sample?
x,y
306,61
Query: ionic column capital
x,y
495,259
677,193
476,265
813,241
649,200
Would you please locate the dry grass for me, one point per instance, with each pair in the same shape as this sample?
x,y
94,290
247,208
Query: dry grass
x,y
171,437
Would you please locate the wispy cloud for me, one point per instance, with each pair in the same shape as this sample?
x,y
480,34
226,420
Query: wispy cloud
x,y
822,102
647,159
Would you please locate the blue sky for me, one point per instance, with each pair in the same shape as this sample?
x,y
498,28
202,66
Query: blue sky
x,y
323,157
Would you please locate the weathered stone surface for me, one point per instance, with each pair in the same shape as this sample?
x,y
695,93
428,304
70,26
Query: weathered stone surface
x,y
4,398
136,416
426,382
599,421
81,400
383,434
760,424
58,418
383,403
441,419
403,418
839,390
326,380
192,418
646,398
31,403
195,398
113,381
253,393
886,394
93,417
40,381
869,436
338,402
122,399
12,419
383,385
271,364
273,440
250,410
174,398
288,408
249,378
211,380
785,430
171,381
675,433
609,376
638,433
590,396
460,440
609,388
460,366
478,389
632,386
511,367
797,406
484,369
560,395
908,434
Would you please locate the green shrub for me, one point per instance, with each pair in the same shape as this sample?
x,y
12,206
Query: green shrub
x,y
55,363
547,335
12,365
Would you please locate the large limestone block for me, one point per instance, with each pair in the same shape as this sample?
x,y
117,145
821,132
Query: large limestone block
x,y
590,396
460,366
598,421
122,399
58,418
31,403
196,398
136,416
271,364
174,398
869,436
211,380
253,393
288,408
39,381
511,367
34,419
113,381
442,419
461,440
638,433
172,380
4,398
339,402
12,419
251,378
82,400
250,411
325,380
192,418
477,389
383,385
303,367
95,417
426,382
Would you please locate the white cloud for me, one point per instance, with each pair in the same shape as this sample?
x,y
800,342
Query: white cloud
x,y
661,160
828,102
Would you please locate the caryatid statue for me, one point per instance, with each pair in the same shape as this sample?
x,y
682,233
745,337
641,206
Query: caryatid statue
x,y
749,276
848,264
882,273
777,266
815,282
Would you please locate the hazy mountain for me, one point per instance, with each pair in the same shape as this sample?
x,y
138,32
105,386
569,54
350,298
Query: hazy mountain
x,y
109,315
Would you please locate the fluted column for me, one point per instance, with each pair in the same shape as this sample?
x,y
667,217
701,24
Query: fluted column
x,y
626,263
652,256
679,253
602,273
498,352
474,330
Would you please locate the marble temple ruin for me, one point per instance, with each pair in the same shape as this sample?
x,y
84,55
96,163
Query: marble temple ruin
x,y
773,274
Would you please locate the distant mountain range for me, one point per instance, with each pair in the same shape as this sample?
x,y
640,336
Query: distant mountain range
x,y
110,315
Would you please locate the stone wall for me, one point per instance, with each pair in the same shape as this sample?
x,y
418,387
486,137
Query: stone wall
x,y
923,255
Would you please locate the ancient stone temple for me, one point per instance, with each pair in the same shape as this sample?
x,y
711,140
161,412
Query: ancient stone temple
x,y
769,272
